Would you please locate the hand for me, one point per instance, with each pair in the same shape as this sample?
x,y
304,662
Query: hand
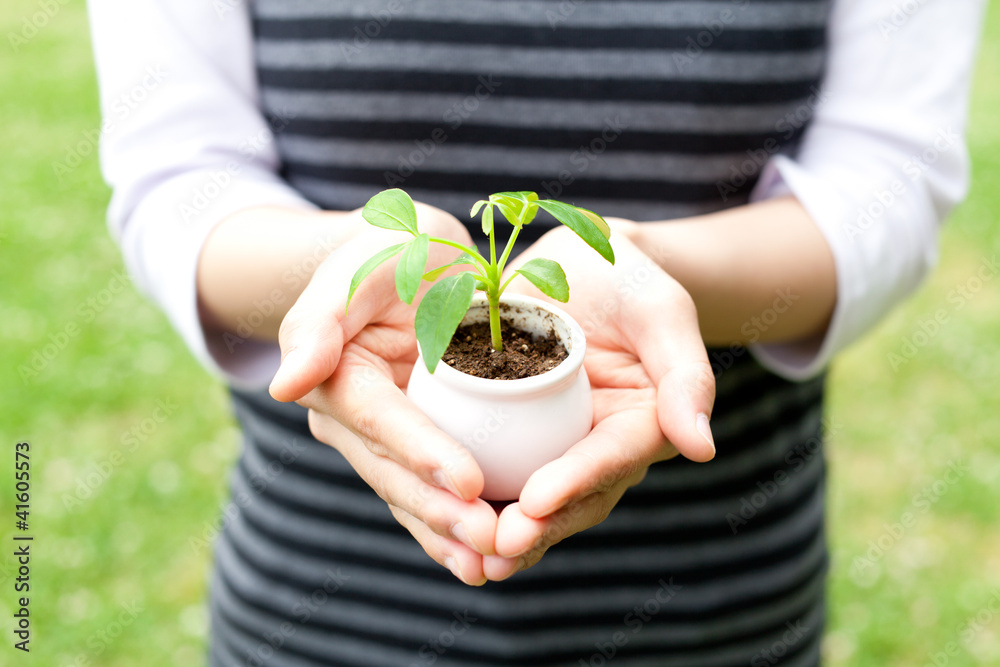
x,y
653,394
349,370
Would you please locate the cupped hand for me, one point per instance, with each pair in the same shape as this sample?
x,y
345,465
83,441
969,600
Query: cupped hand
x,y
350,370
653,391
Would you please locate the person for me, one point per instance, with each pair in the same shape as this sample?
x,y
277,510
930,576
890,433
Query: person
x,y
775,174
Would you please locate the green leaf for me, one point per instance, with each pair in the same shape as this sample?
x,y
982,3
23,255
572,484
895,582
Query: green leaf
x,y
370,266
531,213
475,208
573,218
410,269
598,221
488,220
520,208
439,314
508,208
548,277
515,194
392,209
531,199
434,274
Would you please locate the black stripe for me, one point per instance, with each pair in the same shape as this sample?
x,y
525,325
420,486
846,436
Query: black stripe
x,y
352,30
624,90
759,388
527,137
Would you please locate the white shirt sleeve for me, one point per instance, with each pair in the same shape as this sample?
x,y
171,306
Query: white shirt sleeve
x,y
183,145
883,161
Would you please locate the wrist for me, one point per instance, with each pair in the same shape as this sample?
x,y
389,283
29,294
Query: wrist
x,y
265,254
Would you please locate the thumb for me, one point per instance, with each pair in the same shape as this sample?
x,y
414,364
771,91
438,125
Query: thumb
x,y
684,399
310,352
316,328
669,345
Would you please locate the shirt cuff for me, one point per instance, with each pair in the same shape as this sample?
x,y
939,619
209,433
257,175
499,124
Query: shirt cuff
x,y
804,359
162,241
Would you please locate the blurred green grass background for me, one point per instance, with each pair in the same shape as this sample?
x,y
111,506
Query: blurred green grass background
x,y
132,444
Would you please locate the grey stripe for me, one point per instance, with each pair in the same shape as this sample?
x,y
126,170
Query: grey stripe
x,y
503,61
542,163
350,196
742,14
443,109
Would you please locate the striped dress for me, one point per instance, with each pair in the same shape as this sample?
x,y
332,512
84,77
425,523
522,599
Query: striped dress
x,y
644,109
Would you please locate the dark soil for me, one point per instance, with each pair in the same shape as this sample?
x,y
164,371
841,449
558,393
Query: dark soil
x,y
471,351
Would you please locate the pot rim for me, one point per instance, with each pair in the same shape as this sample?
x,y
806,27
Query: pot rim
x,y
564,372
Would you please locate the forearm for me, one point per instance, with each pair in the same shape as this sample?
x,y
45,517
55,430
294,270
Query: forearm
x,y
256,262
757,273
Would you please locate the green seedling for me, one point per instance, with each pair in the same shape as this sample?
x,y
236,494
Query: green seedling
x,y
445,304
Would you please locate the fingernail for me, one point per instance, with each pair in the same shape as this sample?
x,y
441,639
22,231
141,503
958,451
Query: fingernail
x,y
287,363
514,570
706,431
462,535
443,480
452,564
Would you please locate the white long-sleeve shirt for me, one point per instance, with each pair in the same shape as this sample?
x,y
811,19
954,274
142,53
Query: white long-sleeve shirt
x,y
184,145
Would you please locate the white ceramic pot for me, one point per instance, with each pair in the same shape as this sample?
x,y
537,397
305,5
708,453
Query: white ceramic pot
x,y
512,427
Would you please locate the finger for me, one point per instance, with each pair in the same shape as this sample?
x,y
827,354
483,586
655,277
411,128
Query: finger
x,y
498,568
685,396
523,530
464,563
316,327
668,342
620,448
523,540
519,534
362,398
472,522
